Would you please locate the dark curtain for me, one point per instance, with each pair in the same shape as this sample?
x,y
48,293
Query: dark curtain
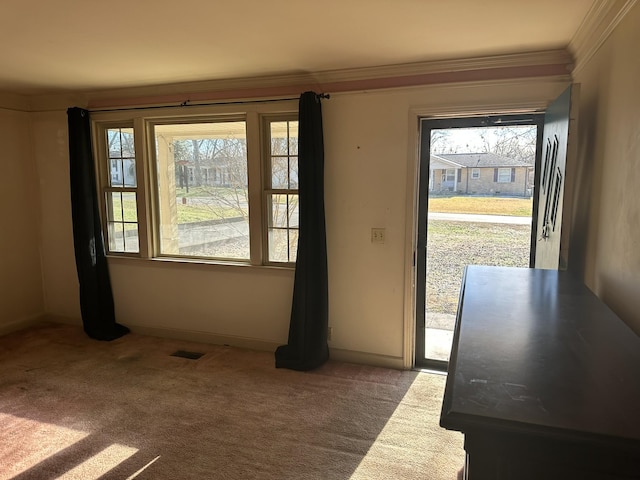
x,y
96,297
307,347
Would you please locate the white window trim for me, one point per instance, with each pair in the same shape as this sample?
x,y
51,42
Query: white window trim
x,y
142,121
475,173
503,170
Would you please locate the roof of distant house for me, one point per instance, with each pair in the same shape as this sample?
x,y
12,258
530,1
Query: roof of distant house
x,y
480,160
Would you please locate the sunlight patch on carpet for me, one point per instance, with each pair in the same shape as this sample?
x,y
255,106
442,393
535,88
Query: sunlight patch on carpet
x,y
37,442
411,444
100,463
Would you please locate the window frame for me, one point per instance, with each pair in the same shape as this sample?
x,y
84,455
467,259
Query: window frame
x,y
268,189
155,191
142,121
475,173
103,174
450,172
503,170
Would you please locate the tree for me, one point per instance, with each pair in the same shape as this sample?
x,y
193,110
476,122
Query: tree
x,y
517,142
441,142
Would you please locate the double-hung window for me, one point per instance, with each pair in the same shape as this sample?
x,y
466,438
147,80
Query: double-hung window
x,y
212,185
120,190
281,192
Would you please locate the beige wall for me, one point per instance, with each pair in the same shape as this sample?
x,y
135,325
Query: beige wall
x,y
370,150
51,153
605,246
20,273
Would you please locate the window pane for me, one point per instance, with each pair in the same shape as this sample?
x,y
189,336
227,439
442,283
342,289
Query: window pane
x,y
279,172
116,236
203,214
114,207
279,138
129,172
116,179
283,245
284,211
130,209
114,142
131,241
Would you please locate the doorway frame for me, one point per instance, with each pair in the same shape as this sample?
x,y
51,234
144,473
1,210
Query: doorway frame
x,y
421,197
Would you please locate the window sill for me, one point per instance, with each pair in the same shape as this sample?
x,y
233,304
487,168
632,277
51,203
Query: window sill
x,y
180,263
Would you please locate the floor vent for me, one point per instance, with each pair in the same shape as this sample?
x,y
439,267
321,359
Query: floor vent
x,y
189,355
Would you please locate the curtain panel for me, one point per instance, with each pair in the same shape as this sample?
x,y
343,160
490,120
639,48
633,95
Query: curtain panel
x,y
96,297
307,346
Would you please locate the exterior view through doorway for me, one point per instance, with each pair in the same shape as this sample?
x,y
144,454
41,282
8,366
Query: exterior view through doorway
x,y
477,205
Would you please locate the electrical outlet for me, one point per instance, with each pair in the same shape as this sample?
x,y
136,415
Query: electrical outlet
x,y
330,333
377,235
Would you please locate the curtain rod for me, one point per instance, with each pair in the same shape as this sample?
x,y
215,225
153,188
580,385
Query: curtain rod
x,y
187,103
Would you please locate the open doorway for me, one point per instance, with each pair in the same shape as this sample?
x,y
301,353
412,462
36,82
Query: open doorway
x,y
478,205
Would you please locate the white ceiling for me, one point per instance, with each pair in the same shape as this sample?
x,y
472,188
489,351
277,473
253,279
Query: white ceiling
x,y
49,46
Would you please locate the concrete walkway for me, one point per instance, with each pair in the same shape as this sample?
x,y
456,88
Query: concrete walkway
x,y
471,217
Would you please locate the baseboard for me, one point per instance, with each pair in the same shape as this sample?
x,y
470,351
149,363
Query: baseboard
x,y
265,346
338,354
205,337
21,324
363,358
62,319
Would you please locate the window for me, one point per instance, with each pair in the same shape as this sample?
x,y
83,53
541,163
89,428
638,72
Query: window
x,y
120,194
504,175
281,191
475,173
449,175
218,184
196,219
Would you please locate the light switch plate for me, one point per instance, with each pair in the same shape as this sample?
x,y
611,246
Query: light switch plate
x,y
377,235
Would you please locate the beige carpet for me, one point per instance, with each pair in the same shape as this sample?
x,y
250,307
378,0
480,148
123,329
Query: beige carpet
x,y
74,408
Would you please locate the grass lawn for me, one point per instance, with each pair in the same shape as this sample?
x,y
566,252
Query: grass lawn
x,y
200,213
518,207
453,245
186,213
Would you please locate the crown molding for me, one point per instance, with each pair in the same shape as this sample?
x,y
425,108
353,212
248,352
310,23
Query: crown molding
x,y
14,102
550,57
532,64
602,19
467,70
516,60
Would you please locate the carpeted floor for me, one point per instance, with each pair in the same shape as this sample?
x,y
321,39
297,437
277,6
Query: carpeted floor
x,y
74,408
